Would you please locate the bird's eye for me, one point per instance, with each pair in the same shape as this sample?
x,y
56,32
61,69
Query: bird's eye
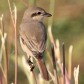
x,y
39,13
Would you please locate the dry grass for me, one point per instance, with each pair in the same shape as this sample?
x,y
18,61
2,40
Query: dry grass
x,y
54,64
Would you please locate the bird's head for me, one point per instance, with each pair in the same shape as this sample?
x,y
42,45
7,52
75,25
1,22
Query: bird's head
x,y
36,13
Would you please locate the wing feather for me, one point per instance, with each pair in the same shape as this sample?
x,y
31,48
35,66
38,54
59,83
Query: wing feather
x,y
34,37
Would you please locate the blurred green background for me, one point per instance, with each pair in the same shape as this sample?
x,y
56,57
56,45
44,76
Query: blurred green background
x,y
68,27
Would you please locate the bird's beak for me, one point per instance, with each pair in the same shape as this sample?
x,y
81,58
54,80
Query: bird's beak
x,y
47,15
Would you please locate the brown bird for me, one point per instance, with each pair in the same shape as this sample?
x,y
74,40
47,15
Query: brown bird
x,y
33,36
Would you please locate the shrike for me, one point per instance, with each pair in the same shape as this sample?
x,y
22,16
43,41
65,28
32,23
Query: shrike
x,y
33,36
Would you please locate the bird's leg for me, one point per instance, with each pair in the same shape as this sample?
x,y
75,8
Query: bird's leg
x,y
30,63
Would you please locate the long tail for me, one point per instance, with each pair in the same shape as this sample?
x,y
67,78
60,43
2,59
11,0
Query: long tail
x,y
43,69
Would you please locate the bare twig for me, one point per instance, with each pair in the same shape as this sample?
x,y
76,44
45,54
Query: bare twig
x,y
14,21
70,61
57,55
1,50
50,35
4,51
34,77
16,46
64,81
76,74
2,24
57,51
54,66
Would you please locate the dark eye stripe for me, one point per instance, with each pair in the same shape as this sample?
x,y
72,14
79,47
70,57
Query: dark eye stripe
x,y
35,14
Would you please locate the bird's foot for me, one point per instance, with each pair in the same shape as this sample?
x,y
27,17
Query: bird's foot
x,y
30,63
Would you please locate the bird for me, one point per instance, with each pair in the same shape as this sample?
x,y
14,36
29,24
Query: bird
x,y
33,36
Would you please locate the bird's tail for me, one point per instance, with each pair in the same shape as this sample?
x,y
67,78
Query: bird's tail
x,y
43,69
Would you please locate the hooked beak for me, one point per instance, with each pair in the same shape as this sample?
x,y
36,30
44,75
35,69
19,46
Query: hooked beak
x,y
47,14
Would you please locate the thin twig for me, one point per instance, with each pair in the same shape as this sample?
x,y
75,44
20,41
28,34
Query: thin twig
x,y
56,81
4,52
70,61
16,46
2,46
64,81
57,55
3,71
2,24
57,51
34,77
51,36
11,13
76,74
14,21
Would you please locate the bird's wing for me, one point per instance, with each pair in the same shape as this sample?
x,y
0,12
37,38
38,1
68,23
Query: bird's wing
x,y
35,37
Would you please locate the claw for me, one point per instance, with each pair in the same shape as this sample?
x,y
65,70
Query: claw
x,y
30,63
